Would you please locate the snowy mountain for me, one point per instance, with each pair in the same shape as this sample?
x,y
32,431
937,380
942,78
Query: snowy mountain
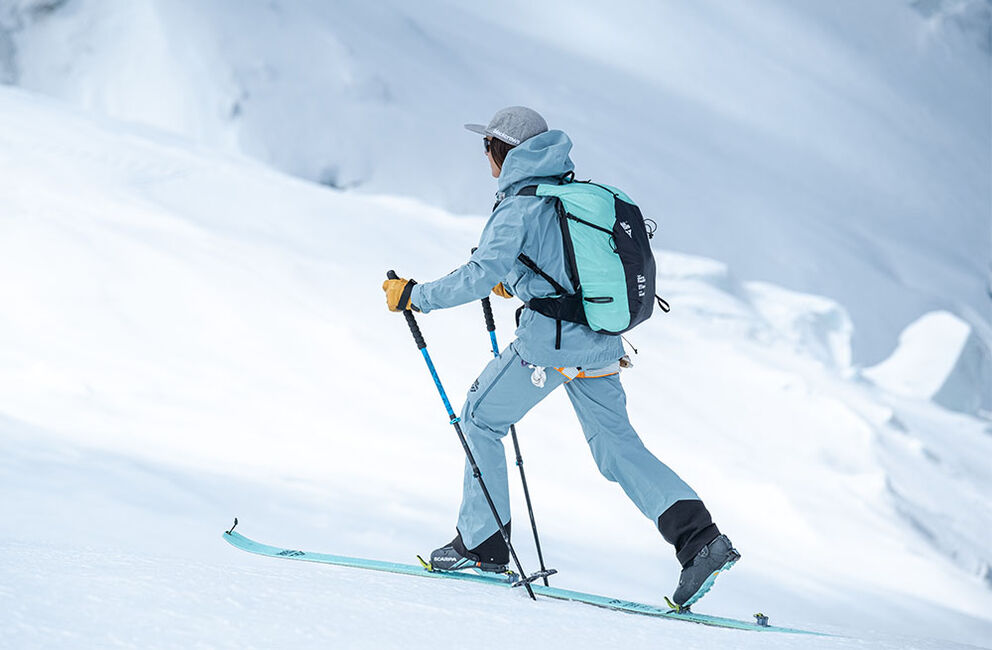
x,y
191,333
837,148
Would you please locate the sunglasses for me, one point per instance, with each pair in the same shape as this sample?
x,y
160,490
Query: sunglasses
x,y
485,143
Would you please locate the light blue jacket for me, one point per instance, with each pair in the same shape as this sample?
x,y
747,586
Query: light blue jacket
x,y
529,225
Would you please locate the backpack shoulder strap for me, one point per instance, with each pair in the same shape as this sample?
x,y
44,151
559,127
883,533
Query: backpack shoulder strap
x,y
532,190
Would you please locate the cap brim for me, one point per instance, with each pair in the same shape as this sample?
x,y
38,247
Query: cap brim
x,y
476,128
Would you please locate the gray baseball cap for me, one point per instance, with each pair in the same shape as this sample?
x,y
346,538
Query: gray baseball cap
x,y
512,125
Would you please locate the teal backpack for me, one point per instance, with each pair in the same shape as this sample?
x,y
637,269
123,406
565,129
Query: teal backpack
x,y
608,258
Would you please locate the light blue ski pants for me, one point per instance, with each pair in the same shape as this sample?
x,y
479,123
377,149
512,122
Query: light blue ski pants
x,y
504,393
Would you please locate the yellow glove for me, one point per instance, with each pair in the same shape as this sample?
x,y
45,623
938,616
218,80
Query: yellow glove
x,y
501,291
398,294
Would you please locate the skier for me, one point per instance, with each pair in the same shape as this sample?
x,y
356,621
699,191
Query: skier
x,y
546,354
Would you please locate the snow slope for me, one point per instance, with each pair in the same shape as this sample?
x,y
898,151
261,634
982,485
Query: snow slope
x,y
837,148
190,336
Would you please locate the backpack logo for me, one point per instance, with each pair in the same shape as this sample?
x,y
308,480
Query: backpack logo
x,y
626,228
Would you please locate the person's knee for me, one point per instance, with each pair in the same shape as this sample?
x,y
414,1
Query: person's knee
x,y
605,460
613,448
481,425
611,437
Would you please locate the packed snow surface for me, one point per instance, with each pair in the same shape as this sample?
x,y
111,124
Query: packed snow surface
x,y
190,336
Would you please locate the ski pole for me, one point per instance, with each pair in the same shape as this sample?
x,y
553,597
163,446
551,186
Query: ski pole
x,y
487,312
453,420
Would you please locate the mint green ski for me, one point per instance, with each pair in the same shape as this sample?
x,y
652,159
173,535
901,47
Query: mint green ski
x,y
631,607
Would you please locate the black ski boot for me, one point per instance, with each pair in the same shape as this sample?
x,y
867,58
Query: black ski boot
x,y
698,576
447,558
491,556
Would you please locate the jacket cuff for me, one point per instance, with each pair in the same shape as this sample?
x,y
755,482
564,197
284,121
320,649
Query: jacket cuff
x,y
418,301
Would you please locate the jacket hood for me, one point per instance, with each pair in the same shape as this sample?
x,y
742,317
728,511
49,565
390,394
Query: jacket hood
x,y
542,156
